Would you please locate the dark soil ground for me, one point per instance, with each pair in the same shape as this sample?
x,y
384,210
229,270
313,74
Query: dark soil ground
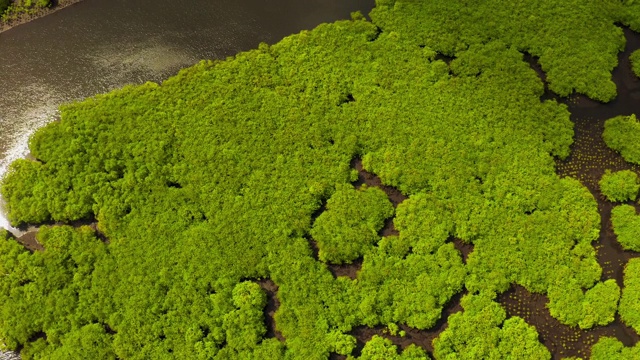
x,y
363,334
561,340
272,305
589,159
422,338
371,180
29,241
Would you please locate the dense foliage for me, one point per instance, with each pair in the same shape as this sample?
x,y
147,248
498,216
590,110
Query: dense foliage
x,y
635,62
622,133
626,226
630,301
210,181
481,332
576,41
4,4
620,185
381,348
52,292
596,306
608,348
349,227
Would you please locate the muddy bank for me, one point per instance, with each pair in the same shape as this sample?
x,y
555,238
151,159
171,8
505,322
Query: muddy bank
x,y
589,159
27,233
271,289
371,180
421,338
587,163
24,18
561,340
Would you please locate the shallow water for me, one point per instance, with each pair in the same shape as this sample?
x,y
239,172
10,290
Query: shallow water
x,y
99,45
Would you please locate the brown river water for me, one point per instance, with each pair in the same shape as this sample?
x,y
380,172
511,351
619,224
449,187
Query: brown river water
x,y
98,45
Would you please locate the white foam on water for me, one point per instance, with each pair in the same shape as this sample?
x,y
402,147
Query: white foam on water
x,y
19,148
9,355
38,102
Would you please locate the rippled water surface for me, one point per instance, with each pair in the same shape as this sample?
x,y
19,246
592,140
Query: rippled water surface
x,y
98,45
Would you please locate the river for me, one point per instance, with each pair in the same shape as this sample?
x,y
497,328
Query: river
x,y
99,45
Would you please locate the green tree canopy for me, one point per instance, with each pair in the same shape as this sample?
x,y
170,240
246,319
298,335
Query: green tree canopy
x,y
621,134
381,348
608,348
630,301
482,331
635,62
626,226
209,181
349,227
620,185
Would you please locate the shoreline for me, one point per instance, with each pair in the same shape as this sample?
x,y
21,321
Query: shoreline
x,y
25,18
9,355
4,26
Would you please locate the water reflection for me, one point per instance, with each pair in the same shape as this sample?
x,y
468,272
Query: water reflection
x,y
99,45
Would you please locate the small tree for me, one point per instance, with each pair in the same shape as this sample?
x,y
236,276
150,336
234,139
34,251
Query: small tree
x,y
620,185
635,62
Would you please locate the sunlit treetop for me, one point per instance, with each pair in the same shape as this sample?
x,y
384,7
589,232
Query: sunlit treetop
x,y
207,183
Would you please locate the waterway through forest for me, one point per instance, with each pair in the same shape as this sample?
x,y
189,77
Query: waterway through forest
x,y
95,46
